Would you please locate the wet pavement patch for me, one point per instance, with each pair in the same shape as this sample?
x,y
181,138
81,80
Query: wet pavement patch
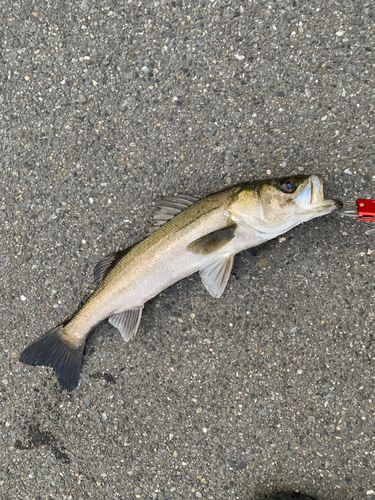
x,y
104,376
36,438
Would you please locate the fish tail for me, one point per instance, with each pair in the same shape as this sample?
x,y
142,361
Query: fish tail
x,y
55,349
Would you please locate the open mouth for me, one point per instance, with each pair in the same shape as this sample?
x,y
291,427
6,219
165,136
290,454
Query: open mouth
x,y
311,198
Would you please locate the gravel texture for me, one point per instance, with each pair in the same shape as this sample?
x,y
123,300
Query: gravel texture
x,y
106,106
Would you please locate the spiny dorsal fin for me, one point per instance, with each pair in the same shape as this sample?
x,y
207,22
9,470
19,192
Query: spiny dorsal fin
x,y
169,207
211,242
104,266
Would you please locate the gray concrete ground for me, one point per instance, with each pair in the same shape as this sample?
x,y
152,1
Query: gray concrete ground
x,y
106,106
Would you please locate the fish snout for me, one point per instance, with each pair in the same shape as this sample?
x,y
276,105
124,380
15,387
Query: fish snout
x,y
338,204
316,185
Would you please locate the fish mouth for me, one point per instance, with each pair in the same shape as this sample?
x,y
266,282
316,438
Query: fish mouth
x,y
311,198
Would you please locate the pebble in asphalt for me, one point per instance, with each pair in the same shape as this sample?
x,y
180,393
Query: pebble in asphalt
x,y
106,106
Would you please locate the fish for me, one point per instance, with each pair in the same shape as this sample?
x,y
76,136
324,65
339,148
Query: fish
x,y
189,235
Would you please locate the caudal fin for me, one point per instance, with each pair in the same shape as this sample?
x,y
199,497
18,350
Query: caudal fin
x,y
53,349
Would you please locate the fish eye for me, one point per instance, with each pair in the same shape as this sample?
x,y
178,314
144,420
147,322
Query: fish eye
x,y
288,186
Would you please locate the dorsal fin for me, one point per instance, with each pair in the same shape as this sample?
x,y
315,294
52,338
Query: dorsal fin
x,y
104,266
169,207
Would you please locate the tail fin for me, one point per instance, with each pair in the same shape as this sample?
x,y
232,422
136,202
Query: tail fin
x,y
54,349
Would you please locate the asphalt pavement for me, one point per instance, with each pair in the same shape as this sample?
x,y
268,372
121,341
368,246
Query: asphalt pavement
x,y
105,107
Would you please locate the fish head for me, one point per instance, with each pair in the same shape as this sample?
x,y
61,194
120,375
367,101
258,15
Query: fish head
x,y
273,206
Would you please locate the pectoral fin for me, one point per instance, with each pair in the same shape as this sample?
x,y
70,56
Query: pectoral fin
x,y
211,242
127,322
215,276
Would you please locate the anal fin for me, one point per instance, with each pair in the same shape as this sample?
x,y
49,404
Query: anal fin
x,y
215,276
127,322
